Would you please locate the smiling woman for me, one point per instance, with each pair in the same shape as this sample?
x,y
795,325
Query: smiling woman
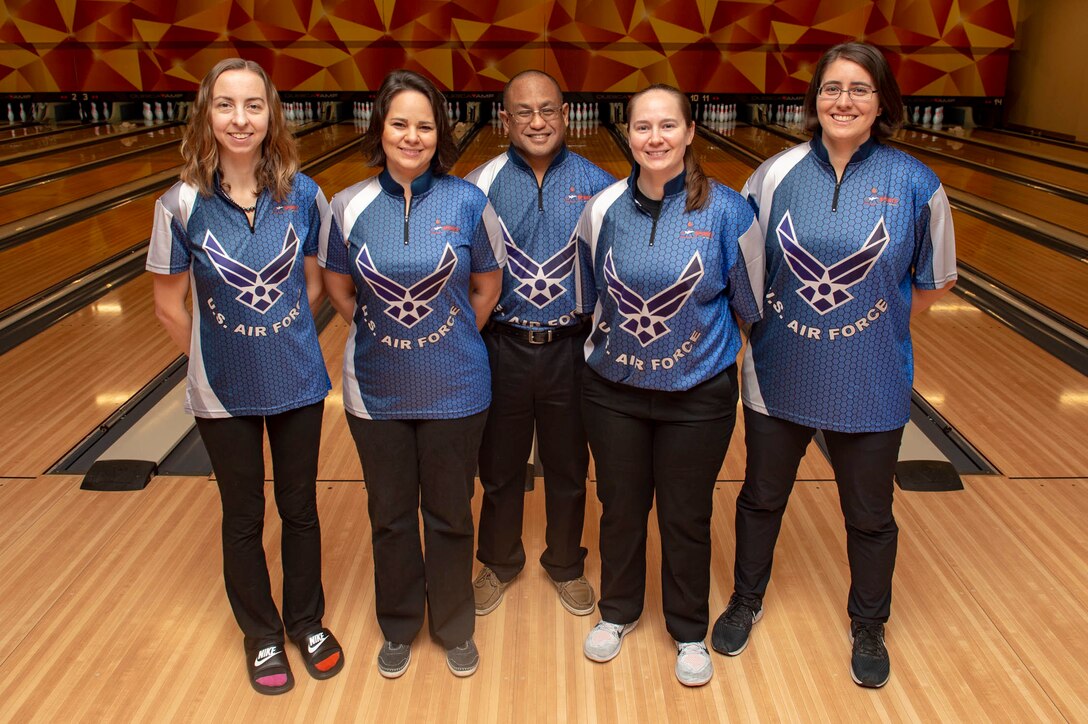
x,y
666,257
251,270
413,261
867,233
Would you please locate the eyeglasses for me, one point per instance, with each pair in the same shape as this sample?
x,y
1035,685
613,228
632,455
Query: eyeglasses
x,y
548,113
857,92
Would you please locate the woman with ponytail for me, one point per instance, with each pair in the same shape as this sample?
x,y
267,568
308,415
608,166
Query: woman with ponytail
x,y
668,258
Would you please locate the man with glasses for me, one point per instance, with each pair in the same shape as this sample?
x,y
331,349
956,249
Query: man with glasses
x,y
534,339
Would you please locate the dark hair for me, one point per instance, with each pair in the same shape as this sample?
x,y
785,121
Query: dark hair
x,y
200,151
876,65
524,74
698,188
445,152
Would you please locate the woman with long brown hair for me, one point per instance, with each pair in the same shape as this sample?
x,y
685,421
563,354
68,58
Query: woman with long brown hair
x,y
240,230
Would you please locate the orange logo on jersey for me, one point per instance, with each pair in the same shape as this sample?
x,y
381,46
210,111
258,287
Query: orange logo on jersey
x,y
875,198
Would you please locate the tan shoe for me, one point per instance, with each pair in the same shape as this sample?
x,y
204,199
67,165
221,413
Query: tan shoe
x,y
576,595
487,591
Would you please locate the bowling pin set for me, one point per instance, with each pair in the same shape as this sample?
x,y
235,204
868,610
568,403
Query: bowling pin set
x,y
929,117
19,113
787,115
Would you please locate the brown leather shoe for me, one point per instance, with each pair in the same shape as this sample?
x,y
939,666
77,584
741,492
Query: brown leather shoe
x,y
576,595
487,591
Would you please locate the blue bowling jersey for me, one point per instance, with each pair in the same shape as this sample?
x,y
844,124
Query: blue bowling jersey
x,y
414,351
834,348
538,282
664,291
254,344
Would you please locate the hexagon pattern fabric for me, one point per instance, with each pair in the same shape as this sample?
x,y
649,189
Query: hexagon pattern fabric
x,y
936,47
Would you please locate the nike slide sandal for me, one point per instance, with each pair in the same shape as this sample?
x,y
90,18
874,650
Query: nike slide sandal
x,y
321,653
269,670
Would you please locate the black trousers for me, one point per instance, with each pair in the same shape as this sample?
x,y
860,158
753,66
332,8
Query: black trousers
x,y
671,444
236,448
409,466
534,384
864,465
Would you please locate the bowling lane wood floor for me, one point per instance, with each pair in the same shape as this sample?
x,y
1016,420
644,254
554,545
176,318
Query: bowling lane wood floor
x,y
115,612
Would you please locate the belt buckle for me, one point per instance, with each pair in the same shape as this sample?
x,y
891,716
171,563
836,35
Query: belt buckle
x,y
546,336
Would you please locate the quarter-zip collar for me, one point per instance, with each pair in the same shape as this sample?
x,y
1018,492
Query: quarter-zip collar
x,y
421,184
259,203
520,162
652,207
673,186
864,151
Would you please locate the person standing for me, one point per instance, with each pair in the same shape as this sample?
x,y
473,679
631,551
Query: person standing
x,y
669,257
859,240
534,341
241,230
413,260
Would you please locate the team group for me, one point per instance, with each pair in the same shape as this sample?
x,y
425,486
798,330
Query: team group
x,y
539,293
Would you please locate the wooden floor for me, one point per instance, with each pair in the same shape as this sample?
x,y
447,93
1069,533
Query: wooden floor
x,y
113,605
114,611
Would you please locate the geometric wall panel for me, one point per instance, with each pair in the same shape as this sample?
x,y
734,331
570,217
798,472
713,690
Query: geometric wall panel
x,y
937,47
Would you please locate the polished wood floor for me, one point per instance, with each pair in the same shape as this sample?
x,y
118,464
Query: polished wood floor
x,y
113,603
114,611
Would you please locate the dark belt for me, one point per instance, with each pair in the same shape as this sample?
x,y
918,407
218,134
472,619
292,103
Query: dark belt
x,y
541,335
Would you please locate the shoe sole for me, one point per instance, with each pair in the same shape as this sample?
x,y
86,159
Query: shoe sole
x,y
615,653
462,673
489,609
697,682
395,673
738,652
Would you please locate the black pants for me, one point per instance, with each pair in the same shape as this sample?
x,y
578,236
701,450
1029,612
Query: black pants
x,y
428,465
671,444
236,448
534,383
864,465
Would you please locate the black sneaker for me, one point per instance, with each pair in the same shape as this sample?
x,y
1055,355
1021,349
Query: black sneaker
x,y
393,659
463,659
869,662
733,627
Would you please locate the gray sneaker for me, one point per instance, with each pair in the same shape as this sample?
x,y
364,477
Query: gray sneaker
x,y
576,595
393,659
603,642
487,591
463,659
693,664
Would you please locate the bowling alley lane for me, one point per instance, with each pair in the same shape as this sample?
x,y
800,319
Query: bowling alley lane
x,y
36,265
966,364
1038,147
994,158
77,135
66,158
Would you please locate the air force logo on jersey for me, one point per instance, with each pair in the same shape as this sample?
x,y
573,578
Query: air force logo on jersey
x,y
259,289
825,287
407,305
645,318
538,282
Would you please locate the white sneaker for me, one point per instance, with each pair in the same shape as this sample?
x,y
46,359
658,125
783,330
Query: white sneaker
x,y
693,664
603,642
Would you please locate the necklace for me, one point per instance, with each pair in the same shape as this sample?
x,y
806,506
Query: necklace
x,y
245,209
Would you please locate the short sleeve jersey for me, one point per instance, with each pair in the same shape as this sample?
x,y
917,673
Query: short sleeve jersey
x,y
663,288
538,282
254,345
834,348
413,351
